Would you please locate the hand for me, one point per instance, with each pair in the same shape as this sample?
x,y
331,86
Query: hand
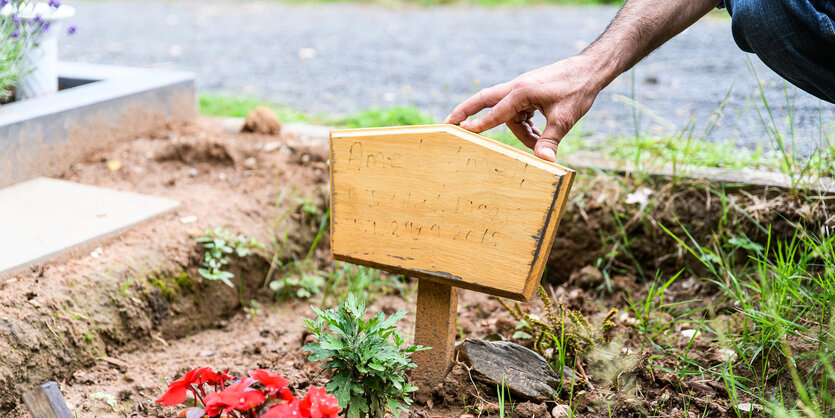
x,y
563,92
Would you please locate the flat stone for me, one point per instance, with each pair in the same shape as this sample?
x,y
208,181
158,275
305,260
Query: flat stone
x,y
524,372
43,217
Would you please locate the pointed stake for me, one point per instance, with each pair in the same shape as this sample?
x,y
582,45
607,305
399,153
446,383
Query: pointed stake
x,y
435,326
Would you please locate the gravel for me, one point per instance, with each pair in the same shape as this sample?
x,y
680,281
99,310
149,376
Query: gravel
x,y
339,58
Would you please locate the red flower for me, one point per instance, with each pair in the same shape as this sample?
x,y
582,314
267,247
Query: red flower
x,y
284,410
235,397
271,381
178,390
285,394
319,404
212,378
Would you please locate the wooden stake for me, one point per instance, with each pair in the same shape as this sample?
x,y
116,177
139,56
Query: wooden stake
x,y
437,309
46,401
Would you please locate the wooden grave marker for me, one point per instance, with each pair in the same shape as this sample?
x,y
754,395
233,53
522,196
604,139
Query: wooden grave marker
x,y
451,207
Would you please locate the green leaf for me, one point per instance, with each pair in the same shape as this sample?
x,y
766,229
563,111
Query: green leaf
x,y
522,335
340,386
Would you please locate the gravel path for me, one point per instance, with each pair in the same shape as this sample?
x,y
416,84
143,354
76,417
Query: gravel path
x,y
338,58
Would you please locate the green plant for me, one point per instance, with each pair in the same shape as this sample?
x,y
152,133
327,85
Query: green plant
x,y
346,278
18,36
301,285
784,301
369,358
393,116
220,244
501,393
232,106
562,331
109,399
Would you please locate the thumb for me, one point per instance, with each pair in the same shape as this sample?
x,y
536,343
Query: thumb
x,y
546,145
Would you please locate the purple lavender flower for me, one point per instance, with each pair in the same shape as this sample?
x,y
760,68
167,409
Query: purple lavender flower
x,y
72,29
55,3
3,3
16,19
37,19
16,33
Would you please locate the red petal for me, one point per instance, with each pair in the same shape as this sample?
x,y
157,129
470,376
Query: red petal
x,y
284,410
174,396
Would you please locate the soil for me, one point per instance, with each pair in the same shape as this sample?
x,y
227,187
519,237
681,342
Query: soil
x,y
133,315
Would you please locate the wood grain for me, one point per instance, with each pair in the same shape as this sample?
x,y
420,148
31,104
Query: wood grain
x,y
46,401
443,203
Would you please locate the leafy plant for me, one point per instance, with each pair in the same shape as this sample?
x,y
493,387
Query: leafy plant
x,y
220,244
303,285
213,397
368,357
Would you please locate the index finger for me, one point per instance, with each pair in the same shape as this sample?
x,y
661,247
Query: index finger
x,y
488,97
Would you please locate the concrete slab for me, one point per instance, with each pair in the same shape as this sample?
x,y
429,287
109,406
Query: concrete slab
x,y
43,218
106,104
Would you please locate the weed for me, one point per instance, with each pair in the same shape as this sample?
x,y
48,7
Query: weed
x,y
220,244
124,287
501,392
109,399
368,357
562,332
784,298
301,285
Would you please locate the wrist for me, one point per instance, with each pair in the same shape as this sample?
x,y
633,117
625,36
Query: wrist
x,y
604,64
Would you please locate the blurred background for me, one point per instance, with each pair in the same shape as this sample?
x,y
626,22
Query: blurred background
x,y
334,59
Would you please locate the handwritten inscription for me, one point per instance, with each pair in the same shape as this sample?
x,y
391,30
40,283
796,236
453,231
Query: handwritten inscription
x,y
432,210
444,204
415,230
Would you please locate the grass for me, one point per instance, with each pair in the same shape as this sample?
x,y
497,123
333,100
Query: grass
x,y
784,296
778,298
645,151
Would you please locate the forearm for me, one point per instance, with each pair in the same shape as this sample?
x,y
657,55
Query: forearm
x,y
640,27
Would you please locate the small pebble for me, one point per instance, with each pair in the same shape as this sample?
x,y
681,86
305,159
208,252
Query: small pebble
x,y
748,407
207,353
726,354
188,219
560,411
689,333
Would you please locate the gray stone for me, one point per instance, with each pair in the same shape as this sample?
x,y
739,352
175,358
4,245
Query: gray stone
x,y
43,218
525,373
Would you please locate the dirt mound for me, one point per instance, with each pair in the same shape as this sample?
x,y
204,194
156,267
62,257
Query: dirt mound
x,y
144,285
618,222
262,120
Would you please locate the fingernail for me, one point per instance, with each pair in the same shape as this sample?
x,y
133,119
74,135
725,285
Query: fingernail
x,y
548,154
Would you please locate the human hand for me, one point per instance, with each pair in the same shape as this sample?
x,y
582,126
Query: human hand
x,y
563,92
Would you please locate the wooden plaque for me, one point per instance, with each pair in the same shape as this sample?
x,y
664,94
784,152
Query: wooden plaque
x,y
442,203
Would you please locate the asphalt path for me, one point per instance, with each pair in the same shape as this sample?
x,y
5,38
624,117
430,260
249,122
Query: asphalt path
x,y
339,58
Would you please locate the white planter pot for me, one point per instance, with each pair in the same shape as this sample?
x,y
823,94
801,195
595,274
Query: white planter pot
x,y
42,60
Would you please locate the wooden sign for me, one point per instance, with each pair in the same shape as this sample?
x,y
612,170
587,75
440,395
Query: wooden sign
x,y
442,203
